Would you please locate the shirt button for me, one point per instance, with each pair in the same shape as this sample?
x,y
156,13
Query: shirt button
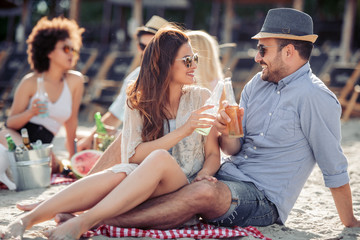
x,y
261,134
255,147
245,156
270,114
278,92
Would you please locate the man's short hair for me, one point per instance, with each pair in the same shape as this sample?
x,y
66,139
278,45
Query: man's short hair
x,y
303,47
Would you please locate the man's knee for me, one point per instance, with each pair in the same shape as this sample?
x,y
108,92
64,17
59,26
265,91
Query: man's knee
x,y
213,199
205,194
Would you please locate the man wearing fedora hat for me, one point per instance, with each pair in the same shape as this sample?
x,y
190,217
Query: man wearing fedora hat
x,y
115,115
291,121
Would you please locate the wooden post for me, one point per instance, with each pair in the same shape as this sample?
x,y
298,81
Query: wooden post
x,y
214,20
347,30
137,12
299,5
74,10
106,22
228,19
24,20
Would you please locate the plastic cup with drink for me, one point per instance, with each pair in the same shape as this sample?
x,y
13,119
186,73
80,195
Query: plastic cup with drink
x,y
213,100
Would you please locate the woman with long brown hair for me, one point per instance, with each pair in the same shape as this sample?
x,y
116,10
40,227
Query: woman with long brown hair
x,y
160,150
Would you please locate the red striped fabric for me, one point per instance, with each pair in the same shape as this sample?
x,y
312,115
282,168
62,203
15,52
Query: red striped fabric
x,y
198,231
58,179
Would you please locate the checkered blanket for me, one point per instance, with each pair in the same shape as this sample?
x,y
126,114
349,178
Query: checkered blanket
x,y
198,231
58,179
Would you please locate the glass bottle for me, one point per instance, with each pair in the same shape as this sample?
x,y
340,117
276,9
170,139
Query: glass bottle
x,y
100,131
42,96
100,128
214,99
233,111
10,142
25,138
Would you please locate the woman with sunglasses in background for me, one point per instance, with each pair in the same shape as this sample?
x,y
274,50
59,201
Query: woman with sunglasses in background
x,y
160,151
52,52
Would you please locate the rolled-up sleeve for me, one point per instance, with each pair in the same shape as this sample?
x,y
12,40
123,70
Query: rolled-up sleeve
x,y
320,122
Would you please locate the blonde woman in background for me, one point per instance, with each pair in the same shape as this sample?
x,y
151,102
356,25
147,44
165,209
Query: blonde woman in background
x,y
209,70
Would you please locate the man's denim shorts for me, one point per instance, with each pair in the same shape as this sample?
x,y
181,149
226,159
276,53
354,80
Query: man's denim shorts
x,y
249,207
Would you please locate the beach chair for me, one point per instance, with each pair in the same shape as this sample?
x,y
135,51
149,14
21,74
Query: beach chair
x,y
107,83
243,69
87,58
13,67
319,61
226,53
349,95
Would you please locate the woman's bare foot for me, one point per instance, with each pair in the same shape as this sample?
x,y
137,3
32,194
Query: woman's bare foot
x,y
60,218
69,230
27,207
15,230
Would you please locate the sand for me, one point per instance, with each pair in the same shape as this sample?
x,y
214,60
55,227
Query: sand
x,y
314,215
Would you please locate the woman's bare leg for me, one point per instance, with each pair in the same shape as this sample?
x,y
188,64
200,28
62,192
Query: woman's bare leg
x,y
158,174
109,158
28,206
79,196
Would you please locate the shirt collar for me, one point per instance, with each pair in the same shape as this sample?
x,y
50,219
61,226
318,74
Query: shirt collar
x,y
292,77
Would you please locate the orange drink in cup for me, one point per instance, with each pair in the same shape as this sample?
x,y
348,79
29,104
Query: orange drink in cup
x,y
235,125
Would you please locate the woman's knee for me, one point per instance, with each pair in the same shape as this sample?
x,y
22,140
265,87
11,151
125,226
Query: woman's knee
x,y
160,158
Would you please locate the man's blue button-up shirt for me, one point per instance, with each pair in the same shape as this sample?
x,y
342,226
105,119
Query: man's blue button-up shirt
x,y
288,128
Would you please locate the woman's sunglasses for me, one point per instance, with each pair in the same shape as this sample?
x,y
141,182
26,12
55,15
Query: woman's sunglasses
x,y
188,60
142,46
261,48
67,49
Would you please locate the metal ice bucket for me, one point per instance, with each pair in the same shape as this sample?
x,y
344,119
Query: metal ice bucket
x,y
31,169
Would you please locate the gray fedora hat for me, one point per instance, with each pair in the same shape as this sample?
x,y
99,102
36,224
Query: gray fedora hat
x,y
287,23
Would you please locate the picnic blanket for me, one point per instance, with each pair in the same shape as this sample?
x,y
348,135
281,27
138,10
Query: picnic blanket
x,y
199,231
59,179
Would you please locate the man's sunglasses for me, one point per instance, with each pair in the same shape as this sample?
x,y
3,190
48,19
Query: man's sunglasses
x,y
188,60
261,48
67,49
142,46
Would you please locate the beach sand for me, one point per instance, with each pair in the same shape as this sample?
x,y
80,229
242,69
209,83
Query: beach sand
x,y
314,215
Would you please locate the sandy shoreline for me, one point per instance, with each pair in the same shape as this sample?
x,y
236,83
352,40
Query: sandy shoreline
x,y
313,217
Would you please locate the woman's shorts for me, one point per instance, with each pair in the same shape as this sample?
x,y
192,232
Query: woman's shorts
x,y
38,132
249,207
124,167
